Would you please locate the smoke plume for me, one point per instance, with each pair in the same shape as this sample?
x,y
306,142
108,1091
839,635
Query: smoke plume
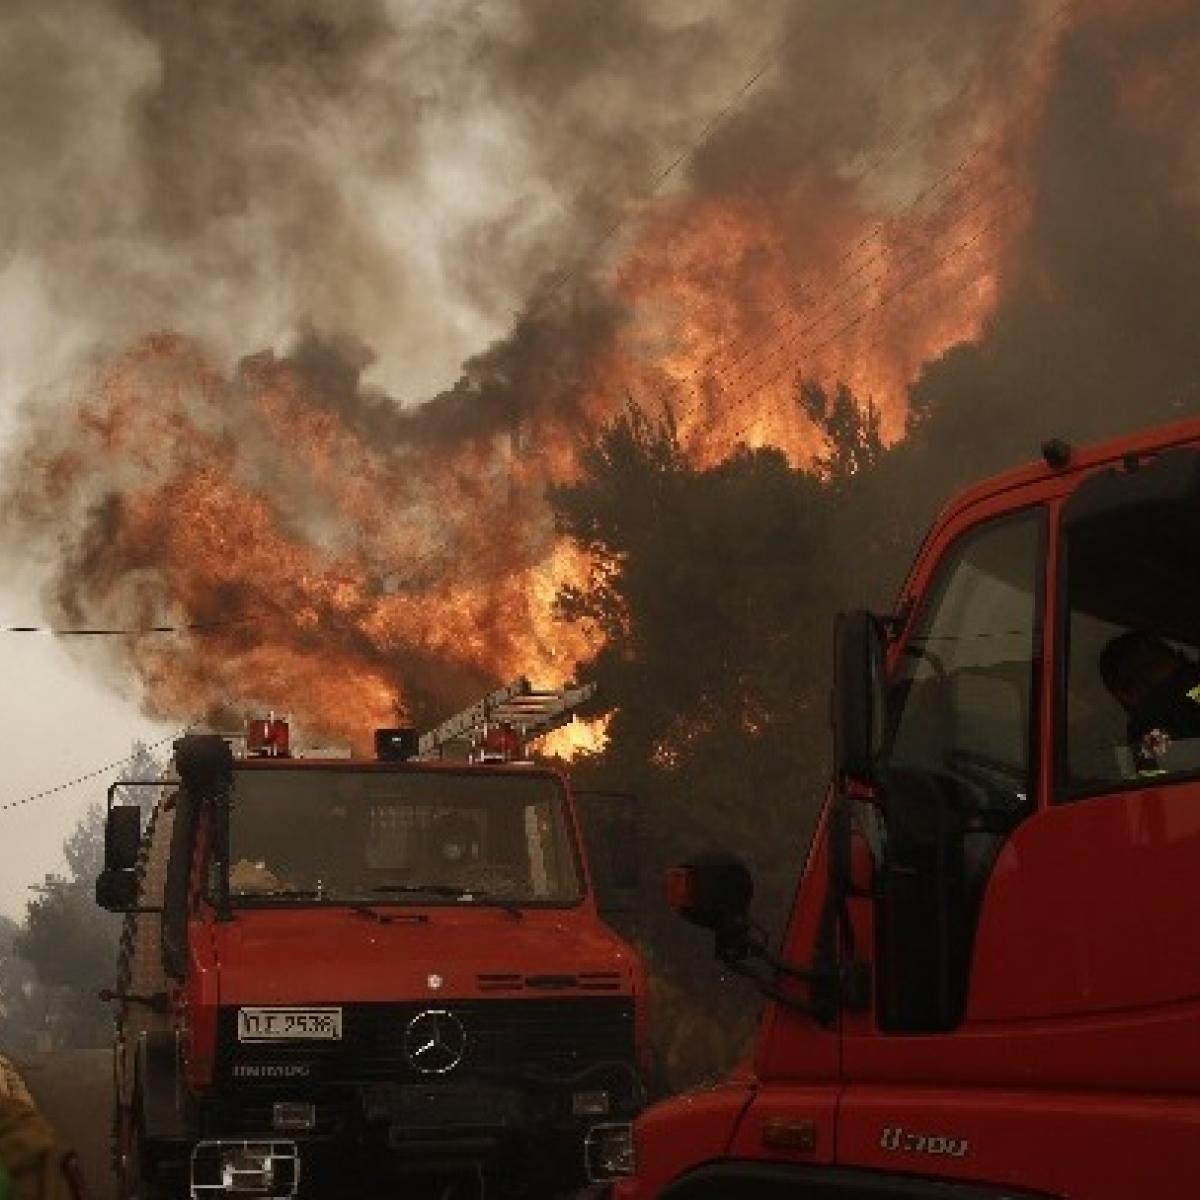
x,y
248,246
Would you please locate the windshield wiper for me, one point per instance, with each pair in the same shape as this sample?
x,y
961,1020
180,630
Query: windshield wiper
x,y
276,893
452,891
428,889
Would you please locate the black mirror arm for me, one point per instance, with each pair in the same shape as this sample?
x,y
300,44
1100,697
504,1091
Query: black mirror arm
x,y
788,970
767,986
740,948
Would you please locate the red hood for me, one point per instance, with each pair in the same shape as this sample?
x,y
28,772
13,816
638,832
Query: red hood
x,y
284,956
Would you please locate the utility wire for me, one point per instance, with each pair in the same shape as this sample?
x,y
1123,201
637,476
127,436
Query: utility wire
x,y
807,295
883,301
702,136
886,299
657,181
94,774
709,128
785,341
138,631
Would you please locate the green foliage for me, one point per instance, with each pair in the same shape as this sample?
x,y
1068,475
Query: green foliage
x,y
23,1000
69,942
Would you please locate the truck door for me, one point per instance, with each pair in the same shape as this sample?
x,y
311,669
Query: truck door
x,y
1037,970
960,781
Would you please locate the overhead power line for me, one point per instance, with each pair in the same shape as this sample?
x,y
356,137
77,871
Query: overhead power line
x,y
93,774
808,298
702,136
660,178
133,631
884,301
785,338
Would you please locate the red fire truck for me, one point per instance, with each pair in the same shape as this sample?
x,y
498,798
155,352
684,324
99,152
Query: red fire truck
x,y
349,977
989,986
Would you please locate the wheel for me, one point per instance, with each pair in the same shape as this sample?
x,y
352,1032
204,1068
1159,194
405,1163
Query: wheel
x,y
139,1181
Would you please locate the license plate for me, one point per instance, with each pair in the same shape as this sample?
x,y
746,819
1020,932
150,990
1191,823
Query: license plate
x,y
294,1024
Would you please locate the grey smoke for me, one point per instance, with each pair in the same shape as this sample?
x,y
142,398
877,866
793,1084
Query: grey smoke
x,y
400,170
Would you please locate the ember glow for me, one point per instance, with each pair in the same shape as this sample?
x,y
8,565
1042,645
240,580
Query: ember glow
x,y
382,563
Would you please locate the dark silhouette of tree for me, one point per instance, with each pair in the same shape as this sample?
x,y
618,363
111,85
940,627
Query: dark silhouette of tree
x,y
852,432
704,586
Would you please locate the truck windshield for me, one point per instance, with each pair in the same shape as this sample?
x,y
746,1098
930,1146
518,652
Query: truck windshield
x,y
411,837
1133,648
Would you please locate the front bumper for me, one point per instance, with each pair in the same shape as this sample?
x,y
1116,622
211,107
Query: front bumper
x,y
369,1135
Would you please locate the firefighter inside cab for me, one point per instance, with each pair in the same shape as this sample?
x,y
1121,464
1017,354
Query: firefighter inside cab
x,y
1159,688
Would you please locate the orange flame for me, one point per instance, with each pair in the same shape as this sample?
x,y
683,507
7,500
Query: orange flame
x,y
385,573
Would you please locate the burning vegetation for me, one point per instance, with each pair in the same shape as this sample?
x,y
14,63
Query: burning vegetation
x,y
904,180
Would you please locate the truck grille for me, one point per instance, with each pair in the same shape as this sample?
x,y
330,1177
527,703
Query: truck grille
x,y
505,1039
587,981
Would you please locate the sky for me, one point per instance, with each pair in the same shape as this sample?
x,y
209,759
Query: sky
x,y
59,722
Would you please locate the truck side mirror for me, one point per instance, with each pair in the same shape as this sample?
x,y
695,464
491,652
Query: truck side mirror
x,y
122,837
858,697
712,890
116,885
117,890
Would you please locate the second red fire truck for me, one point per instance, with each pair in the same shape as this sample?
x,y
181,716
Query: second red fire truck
x,y
989,987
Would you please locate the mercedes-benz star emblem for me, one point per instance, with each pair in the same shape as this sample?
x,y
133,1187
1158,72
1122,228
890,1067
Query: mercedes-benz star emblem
x,y
434,1042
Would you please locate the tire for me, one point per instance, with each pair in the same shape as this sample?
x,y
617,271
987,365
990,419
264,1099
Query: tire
x,y
140,973
139,1183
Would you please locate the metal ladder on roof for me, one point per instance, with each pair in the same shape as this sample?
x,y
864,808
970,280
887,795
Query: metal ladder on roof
x,y
531,712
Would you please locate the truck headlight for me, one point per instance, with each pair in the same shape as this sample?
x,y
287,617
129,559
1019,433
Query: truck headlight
x,y
235,1167
608,1152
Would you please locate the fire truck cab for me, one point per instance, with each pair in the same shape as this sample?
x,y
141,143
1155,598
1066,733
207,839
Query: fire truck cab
x,y
989,986
356,977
